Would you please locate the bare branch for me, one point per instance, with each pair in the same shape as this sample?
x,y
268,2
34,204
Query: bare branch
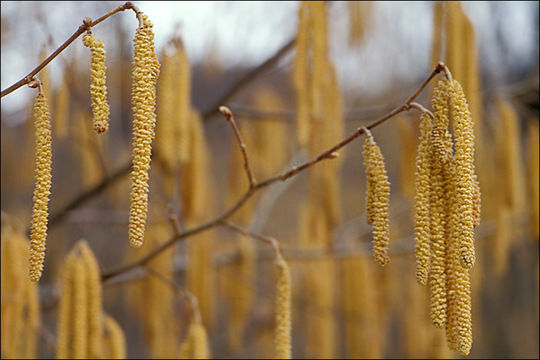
x,y
230,118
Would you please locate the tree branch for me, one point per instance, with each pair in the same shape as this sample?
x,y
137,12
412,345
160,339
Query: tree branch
x,y
84,27
230,118
328,154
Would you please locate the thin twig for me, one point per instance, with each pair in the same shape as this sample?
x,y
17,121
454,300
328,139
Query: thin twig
x,y
82,28
238,229
421,108
328,154
230,118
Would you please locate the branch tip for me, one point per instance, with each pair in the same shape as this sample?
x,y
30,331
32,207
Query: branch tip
x,y
226,112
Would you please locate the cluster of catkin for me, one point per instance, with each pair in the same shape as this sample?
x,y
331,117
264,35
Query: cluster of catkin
x,y
446,212
81,320
20,311
145,74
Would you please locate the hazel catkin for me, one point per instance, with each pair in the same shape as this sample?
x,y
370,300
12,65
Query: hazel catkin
x,y
115,339
378,193
423,189
465,191
43,159
145,73
283,310
98,90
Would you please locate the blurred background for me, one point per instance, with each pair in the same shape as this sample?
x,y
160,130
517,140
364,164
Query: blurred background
x,y
381,52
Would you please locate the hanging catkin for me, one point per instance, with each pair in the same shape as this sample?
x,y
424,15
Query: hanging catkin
x,y
378,193
63,339
360,13
20,312
533,180
283,310
407,156
114,339
464,153
195,346
182,104
43,159
98,89
423,190
94,300
145,73
79,315
300,75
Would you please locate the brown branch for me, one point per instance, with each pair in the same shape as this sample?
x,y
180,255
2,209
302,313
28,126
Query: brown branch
x,y
328,154
230,118
84,27
421,108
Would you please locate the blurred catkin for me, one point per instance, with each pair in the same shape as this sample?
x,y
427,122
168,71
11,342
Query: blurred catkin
x,y
65,316
407,156
378,193
145,73
114,339
182,104
79,316
422,210
20,311
360,13
283,310
300,74
533,181
195,346
43,159
98,89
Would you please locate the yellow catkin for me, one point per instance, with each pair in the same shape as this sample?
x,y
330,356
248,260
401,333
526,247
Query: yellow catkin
x,y
115,340
533,180
64,332
241,291
90,150
319,59
453,17
440,123
300,75
79,315
377,198
438,245
94,300
423,194
360,13
195,346
283,310
62,108
165,125
182,104
98,89
464,153
145,73
20,311
509,162
43,159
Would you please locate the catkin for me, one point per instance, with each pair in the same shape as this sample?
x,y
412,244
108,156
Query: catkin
x,y
195,346
423,190
63,339
440,123
43,159
145,73
437,276
94,300
360,13
98,90
407,155
183,105
20,313
377,198
115,340
464,153
283,310
300,75
533,180
79,316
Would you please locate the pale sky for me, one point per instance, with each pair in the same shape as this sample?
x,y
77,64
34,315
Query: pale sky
x,y
397,46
